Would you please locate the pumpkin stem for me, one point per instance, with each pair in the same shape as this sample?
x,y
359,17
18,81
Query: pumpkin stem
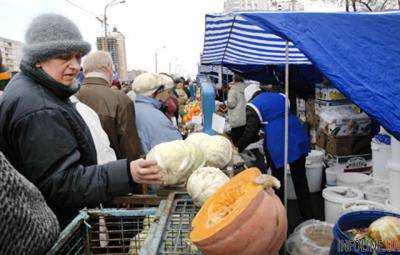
x,y
267,181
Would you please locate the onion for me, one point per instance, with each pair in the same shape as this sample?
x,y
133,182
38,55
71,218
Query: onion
x,y
386,231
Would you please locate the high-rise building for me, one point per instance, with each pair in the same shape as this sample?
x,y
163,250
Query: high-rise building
x,y
262,5
116,46
12,53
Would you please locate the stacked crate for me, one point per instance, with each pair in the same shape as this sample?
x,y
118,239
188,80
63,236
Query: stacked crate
x,y
343,131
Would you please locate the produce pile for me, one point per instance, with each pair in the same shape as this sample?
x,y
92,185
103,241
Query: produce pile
x,y
382,234
190,110
177,160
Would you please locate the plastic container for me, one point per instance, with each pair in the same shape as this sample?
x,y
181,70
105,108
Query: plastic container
x,y
381,153
312,237
342,245
353,180
335,197
331,174
363,205
395,148
314,168
394,184
377,192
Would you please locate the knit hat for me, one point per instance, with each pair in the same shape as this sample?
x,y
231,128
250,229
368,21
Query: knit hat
x,y
146,84
49,35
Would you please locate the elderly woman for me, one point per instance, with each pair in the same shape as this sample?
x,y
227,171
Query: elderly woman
x,y
153,125
43,135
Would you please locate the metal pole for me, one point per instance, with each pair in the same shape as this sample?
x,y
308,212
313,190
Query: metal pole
x,y
155,55
286,121
221,73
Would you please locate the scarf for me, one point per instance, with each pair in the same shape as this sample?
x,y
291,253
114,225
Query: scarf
x,y
40,76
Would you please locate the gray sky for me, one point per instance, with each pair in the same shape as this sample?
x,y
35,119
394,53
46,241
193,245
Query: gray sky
x,y
146,24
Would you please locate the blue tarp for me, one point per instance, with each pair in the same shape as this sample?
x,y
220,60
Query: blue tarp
x,y
358,52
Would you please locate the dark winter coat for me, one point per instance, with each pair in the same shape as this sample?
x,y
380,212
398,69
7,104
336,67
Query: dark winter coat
x,y
46,139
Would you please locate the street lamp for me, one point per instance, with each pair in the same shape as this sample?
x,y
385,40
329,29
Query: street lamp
x,y
156,57
113,2
174,60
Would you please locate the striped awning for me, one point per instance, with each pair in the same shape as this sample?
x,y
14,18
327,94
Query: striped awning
x,y
231,39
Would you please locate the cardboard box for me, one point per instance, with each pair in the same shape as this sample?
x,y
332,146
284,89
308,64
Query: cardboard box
x,y
344,146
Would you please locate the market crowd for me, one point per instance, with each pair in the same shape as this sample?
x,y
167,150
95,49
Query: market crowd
x,y
72,137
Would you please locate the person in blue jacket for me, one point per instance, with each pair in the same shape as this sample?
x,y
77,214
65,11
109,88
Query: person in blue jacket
x,y
267,111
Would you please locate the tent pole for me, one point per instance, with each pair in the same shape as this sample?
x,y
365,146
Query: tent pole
x,y
286,165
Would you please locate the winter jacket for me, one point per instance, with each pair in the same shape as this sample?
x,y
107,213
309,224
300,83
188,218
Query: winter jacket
x,y
268,113
236,105
153,126
117,116
27,224
46,139
104,152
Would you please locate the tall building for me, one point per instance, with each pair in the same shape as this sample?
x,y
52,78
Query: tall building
x,y
116,46
262,5
12,53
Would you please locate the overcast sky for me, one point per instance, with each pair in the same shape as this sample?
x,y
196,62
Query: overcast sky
x,y
147,25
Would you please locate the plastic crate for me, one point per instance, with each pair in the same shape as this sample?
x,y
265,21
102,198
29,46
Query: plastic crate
x,y
171,236
106,231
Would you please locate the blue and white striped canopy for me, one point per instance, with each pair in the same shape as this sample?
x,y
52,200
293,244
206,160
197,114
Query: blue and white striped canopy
x,y
232,39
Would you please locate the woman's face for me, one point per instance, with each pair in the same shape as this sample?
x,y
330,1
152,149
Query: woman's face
x,y
63,68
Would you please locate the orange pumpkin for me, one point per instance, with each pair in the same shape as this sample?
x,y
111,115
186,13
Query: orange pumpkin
x,y
242,217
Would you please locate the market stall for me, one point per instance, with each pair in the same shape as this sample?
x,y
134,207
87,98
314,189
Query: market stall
x,y
221,213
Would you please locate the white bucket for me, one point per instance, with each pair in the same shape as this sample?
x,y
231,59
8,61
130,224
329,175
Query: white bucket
x,y
391,207
335,197
381,154
353,180
395,147
394,184
315,157
363,205
377,192
314,168
331,174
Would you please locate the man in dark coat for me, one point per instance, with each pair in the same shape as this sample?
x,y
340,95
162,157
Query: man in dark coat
x,y
43,135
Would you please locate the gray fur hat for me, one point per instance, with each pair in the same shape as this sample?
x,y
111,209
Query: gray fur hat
x,y
49,35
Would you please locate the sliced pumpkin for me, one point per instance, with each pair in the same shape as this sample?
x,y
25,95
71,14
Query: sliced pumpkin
x,y
242,216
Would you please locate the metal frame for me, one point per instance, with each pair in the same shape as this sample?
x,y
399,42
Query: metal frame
x,y
158,234
82,224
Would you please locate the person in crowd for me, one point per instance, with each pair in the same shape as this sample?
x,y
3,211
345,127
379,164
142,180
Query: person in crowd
x,y
101,141
170,103
255,150
116,85
45,138
27,225
267,112
5,75
236,105
115,109
180,92
153,125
